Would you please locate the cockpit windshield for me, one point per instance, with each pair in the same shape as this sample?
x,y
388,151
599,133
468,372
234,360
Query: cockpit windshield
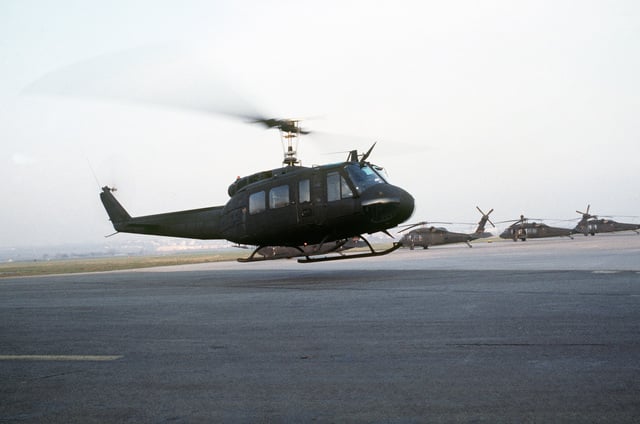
x,y
380,171
364,176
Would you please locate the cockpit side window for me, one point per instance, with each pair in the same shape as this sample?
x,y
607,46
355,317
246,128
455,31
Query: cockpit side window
x,y
337,187
333,186
344,188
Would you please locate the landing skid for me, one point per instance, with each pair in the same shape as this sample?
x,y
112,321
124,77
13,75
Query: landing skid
x,y
373,252
253,258
269,253
310,252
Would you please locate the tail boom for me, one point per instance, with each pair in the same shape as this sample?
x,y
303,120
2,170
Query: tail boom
x,y
201,224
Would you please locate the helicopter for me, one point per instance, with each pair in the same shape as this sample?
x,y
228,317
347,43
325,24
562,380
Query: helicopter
x,y
310,210
522,230
590,224
431,236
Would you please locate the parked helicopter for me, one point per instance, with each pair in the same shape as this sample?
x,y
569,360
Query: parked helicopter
x,y
522,230
303,208
590,224
431,236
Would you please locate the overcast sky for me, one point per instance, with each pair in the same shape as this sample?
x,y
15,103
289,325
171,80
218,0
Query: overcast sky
x,y
527,107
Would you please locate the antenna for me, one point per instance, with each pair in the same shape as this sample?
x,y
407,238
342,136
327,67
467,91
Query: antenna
x,y
93,172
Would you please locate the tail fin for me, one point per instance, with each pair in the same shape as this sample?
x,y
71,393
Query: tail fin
x,y
583,224
117,214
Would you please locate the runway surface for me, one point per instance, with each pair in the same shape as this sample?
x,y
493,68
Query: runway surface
x,y
540,331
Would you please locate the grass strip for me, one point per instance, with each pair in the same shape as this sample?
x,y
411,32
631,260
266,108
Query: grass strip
x,y
73,266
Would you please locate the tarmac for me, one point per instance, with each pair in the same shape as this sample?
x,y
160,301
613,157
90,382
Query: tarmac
x,y
538,331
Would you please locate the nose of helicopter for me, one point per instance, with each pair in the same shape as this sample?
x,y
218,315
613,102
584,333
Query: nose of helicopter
x,y
387,205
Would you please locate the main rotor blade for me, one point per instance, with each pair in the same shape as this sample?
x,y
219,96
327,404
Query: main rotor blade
x,y
168,75
417,224
410,226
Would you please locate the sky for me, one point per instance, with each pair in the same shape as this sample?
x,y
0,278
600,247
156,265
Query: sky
x,y
527,107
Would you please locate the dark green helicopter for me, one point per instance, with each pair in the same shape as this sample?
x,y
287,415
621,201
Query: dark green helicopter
x,y
590,224
431,236
312,210
522,230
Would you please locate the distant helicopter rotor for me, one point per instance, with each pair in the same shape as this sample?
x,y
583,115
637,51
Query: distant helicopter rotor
x,y
418,224
486,215
587,215
520,221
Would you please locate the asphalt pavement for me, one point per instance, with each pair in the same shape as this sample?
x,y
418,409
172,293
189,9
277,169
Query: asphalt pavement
x,y
540,331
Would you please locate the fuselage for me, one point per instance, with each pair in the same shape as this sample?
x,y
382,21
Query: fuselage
x,y
299,205
533,230
433,236
290,206
593,226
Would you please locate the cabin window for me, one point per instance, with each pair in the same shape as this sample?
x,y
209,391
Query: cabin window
x,y
337,187
279,196
257,202
333,186
304,194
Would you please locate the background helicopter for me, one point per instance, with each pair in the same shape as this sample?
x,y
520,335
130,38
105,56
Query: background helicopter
x,y
431,236
298,207
522,230
590,224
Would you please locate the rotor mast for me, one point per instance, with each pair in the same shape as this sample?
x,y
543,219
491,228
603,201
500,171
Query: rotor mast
x,y
289,132
289,136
